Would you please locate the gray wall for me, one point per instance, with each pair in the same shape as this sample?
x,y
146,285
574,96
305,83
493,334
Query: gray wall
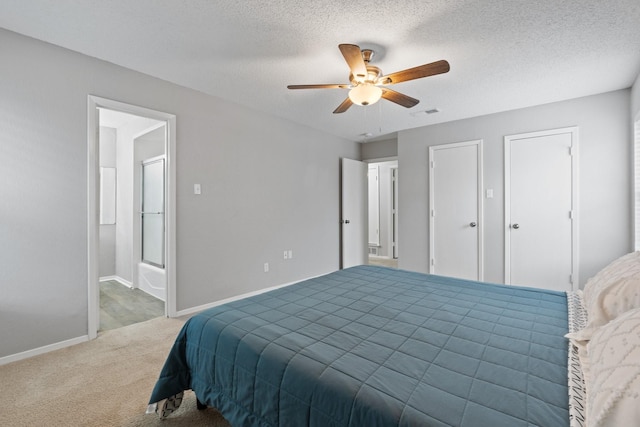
x,y
267,185
604,178
635,98
379,149
149,145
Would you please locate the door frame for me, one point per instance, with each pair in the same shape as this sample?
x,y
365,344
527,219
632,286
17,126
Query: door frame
x,y
93,193
393,212
392,223
373,167
573,130
480,207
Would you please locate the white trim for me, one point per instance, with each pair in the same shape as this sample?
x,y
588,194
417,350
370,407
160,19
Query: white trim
x,y
93,194
118,279
199,308
573,130
393,213
390,246
381,159
153,159
375,168
93,103
480,197
42,350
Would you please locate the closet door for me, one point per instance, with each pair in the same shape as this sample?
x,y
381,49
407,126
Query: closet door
x,y
540,209
455,183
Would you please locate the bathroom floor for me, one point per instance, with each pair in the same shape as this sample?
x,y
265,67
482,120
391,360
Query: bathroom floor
x,y
385,262
121,306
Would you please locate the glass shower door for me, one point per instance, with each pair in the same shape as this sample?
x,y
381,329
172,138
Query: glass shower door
x,y
153,212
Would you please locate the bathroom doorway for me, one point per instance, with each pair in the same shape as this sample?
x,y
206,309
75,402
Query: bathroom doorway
x,y
383,212
131,262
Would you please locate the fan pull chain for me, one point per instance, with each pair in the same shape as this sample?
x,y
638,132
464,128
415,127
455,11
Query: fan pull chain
x,y
364,122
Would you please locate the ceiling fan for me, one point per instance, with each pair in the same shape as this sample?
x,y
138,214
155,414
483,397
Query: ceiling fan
x,y
368,83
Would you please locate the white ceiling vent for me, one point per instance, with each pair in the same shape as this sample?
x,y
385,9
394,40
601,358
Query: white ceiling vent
x,y
422,112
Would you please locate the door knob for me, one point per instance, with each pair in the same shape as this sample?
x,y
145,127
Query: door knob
x,y
473,224
516,226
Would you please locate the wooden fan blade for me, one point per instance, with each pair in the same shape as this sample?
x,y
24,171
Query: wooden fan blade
x,y
327,86
343,107
426,70
353,56
398,98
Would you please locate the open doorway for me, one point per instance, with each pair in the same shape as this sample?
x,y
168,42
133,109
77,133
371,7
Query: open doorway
x,y
383,213
131,189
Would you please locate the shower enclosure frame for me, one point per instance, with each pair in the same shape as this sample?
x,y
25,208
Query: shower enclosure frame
x,y
150,211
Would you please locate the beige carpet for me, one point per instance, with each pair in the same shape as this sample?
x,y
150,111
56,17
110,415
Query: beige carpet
x,y
104,382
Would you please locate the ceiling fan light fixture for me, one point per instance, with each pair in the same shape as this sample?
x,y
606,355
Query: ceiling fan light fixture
x,y
365,94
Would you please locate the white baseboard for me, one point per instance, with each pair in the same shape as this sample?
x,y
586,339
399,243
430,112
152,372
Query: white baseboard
x,y
41,350
199,308
118,279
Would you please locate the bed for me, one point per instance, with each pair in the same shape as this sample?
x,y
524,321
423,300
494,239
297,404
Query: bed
x,y
374,346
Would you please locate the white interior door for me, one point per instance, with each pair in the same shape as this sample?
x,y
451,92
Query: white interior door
x,y
540,209
354,221
455,237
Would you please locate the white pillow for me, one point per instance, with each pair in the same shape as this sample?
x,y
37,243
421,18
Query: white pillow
x,y
625,267
613,389
612,292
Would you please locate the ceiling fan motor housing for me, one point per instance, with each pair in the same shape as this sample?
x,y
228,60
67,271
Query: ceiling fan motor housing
x,y
373,73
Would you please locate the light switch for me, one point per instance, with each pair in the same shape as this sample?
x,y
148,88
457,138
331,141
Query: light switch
x,y
490,193
197,189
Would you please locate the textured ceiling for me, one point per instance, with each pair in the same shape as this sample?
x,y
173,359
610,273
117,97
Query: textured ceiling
x,y
503,54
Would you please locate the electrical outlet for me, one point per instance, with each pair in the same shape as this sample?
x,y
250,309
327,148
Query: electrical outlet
x,y
266,267
286,255
290,254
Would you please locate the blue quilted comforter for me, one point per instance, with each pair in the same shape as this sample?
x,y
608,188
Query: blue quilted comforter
x,y
372,346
